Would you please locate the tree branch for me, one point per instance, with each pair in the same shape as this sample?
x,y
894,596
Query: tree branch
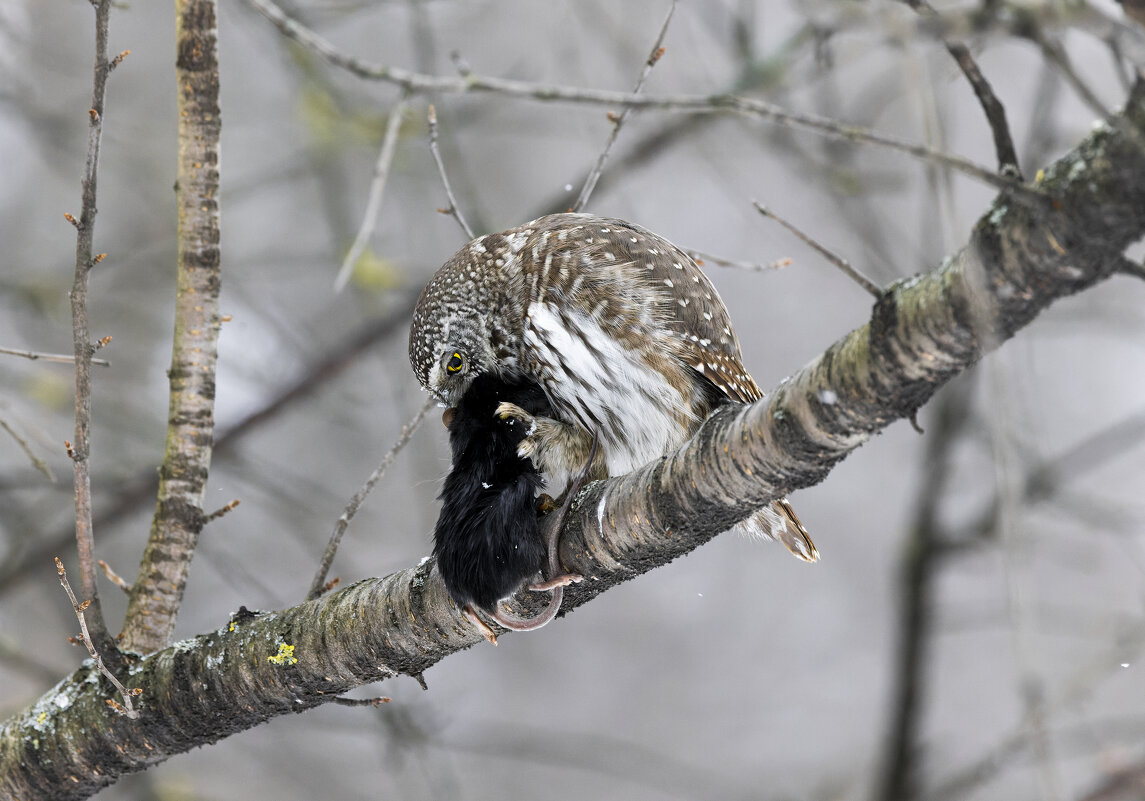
x,y
85,260
158,591
66,358
922,332
419,83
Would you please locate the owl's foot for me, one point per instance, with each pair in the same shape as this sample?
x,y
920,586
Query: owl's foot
x,y
553,445
556,583
511,411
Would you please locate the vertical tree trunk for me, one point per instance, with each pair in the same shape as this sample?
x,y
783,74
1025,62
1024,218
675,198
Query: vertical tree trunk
x,y
158,591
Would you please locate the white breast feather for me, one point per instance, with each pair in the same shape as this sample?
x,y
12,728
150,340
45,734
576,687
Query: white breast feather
x,y
621,388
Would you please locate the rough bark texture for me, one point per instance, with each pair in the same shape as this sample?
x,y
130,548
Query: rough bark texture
x,y
924,331
179,517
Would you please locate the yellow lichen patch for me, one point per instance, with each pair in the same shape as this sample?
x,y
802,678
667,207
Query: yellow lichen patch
x,y
285,655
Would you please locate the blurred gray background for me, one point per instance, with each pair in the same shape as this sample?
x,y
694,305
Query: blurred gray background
x,y
737,672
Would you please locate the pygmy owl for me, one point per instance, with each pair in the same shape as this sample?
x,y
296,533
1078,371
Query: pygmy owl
x,y
621,329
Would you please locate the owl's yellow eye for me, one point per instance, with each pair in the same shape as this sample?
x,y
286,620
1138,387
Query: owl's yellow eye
x,y
455,363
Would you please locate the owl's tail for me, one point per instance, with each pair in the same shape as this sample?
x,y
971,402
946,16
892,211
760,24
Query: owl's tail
x,y
779,522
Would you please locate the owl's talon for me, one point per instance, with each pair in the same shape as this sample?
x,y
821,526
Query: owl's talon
x,y
507,411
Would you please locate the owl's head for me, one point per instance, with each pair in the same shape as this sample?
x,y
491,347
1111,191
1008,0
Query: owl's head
x,y
455,336
448,351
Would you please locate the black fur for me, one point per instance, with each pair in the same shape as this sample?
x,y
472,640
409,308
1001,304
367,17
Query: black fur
x,y
487,540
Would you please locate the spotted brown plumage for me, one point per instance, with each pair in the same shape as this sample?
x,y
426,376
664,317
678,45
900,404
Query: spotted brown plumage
x,y
622,329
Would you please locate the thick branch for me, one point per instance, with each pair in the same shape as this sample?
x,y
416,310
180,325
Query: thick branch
x,y
154,601
922,332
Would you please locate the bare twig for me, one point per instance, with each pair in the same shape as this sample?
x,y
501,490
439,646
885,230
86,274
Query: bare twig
x,y
374,702
127,708
138,490
63,358
221,511
1044,479
993,108
702,258
85,233
1056,55
1133,268
832,257
377,191
317,585
995,111
37,462
454,210
619,120
421,83
114,577
1080,686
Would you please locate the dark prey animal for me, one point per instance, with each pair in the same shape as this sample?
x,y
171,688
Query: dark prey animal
x,y
488,540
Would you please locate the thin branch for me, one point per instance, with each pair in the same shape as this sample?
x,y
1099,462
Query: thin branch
x,y
222,511
319,583
618,121
993,108
140,489
454,210
1044,480
85,259
114,577
751,266
829,255
63,358
377,191
357,702
1056,55
127,708
1133,268
419,83
36,461
1082,685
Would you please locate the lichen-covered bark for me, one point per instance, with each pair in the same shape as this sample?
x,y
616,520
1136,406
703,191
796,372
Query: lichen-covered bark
x,y
158,590
254,667
1021,258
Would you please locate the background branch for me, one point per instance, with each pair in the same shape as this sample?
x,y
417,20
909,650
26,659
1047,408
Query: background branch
x,y
80,451
419,83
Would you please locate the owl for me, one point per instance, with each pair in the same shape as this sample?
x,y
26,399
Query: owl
x,y
624,333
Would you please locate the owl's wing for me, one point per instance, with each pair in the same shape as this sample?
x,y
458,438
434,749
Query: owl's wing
x,y
708,342
642,288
